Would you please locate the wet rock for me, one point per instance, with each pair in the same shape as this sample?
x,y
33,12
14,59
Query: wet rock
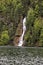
x,y
18,33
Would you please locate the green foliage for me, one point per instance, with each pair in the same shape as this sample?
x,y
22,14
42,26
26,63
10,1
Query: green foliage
x,y
41,8
35,36
41,38
37,10
35,23
18,11
4,38
30,18
37,29
10,16
28,38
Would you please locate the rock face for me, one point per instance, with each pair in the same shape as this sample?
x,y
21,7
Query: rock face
x,y
18,32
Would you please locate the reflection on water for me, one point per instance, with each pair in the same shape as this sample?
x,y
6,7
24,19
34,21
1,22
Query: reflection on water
x,y
21,56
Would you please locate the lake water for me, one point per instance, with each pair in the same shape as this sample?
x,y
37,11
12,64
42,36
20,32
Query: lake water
x,y
21,56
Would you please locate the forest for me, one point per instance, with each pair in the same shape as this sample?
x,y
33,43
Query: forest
x,y
11,12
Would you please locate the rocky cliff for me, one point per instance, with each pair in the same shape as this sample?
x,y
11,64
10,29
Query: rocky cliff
x,y
18,32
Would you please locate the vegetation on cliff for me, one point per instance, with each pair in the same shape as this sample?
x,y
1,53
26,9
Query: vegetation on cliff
x,y
10,16
34,33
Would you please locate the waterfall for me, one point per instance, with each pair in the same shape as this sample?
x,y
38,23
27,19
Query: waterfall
x,y
21,37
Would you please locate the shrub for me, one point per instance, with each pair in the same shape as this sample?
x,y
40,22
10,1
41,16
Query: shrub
x,y
4,38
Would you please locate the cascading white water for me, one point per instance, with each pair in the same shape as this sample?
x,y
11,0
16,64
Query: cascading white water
x,y
24,29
